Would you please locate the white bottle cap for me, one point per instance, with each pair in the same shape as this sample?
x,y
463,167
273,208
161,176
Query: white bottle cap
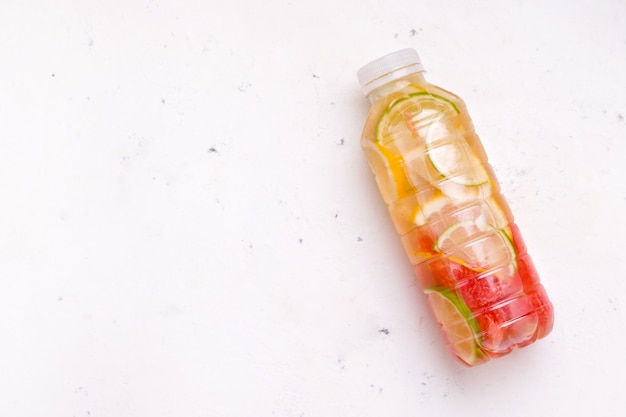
x,y
388,68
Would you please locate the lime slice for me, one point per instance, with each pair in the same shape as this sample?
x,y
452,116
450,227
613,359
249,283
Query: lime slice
x,y
455,160
508,242
458,324
483,247
498,216
457,234
460,193
500,220
411,113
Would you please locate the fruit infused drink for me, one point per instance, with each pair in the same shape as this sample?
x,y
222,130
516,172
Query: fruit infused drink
x,y
445,203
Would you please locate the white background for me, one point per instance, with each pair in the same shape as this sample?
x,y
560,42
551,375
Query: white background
x,y
188,226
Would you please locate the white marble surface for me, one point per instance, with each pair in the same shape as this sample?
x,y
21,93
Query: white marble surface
x,y
188,226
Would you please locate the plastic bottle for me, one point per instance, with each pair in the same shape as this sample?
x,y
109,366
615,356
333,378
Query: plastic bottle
x,y
445,203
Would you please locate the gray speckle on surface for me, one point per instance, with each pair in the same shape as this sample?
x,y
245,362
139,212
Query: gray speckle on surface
x,y
243,87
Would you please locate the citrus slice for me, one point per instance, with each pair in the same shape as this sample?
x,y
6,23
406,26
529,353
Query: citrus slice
x,y
480,246
456,235
425,211
508,242
455,160
458,324
388,169
460,193
499,217
414,111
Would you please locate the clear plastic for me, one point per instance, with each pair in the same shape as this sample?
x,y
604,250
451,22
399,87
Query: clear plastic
x,y
389,68
445,202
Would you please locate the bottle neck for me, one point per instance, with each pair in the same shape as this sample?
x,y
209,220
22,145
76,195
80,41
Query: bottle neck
x,y
416,78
